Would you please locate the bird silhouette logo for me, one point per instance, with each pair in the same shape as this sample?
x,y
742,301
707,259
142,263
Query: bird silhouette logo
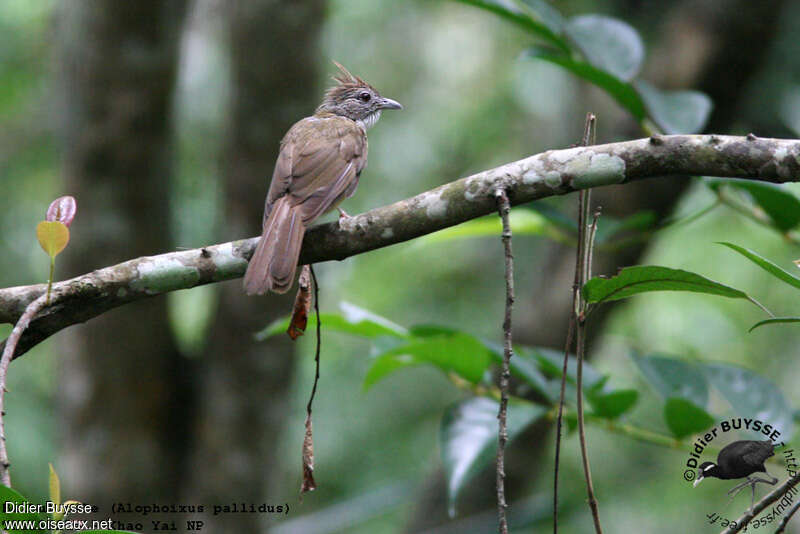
x,y
740,459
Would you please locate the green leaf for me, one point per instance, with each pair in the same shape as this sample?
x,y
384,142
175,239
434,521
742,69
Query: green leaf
x,y
459,353
775,320
644,278
608,44
780,204
572,421
547,14
9,495
525,366
469,437
684,418
751,395
523,222
552,361
430,330
555,216
765,264
535,16
53,237
611,227
352,320
622,92
674,378
612,405
675,112
55,486
382,344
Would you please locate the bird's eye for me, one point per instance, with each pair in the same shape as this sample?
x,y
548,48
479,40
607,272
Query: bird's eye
x,y
364,97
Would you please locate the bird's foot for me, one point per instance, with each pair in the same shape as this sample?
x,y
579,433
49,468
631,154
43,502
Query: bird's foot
x,y
346,222
736,489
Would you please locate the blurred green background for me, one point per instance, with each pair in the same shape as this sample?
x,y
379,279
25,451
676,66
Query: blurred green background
x,y
471,103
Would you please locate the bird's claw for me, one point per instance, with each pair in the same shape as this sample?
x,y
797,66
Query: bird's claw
x,y
346,221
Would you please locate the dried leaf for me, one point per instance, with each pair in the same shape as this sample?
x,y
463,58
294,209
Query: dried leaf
x,y
308,460
62,210
302,305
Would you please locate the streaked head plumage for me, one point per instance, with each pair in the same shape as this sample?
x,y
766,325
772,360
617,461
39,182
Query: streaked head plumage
x,y
354,98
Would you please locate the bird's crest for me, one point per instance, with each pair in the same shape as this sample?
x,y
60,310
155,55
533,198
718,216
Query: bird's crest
x,y
345,78
346,84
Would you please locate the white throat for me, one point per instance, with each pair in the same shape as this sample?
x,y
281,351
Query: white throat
x,y
370,120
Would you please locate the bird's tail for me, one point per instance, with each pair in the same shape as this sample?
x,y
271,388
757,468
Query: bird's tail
x,y
274,261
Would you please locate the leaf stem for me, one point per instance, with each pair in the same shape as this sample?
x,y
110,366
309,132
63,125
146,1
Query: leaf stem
x,y
50,280
671,222
753,215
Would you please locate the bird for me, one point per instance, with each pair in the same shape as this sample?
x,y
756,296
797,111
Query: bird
x,y
319,164
740,459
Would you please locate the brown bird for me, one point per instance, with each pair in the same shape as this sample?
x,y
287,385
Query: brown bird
x,y
320,161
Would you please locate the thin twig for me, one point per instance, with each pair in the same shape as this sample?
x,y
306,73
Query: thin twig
x,y
586,234
308,440
560,419
319,340
787,517
768,499
590,244
8,354
576,285
503,207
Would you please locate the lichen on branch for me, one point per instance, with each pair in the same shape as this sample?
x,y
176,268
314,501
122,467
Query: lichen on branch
x,y
555,172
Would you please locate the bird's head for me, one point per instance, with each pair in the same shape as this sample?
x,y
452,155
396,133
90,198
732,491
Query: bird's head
x,y
355,99
706,469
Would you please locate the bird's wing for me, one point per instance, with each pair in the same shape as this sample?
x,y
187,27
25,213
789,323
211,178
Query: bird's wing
x,y
745,455
282,174
756,453
319,163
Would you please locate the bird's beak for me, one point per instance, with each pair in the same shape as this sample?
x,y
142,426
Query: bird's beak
x,y
388,103
697,481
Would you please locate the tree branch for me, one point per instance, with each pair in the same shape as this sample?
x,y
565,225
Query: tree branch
x,y
8,352
555,172
768,499
787,518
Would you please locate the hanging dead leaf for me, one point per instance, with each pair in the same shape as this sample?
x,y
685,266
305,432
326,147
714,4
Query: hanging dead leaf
x,y
308,460
302,305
